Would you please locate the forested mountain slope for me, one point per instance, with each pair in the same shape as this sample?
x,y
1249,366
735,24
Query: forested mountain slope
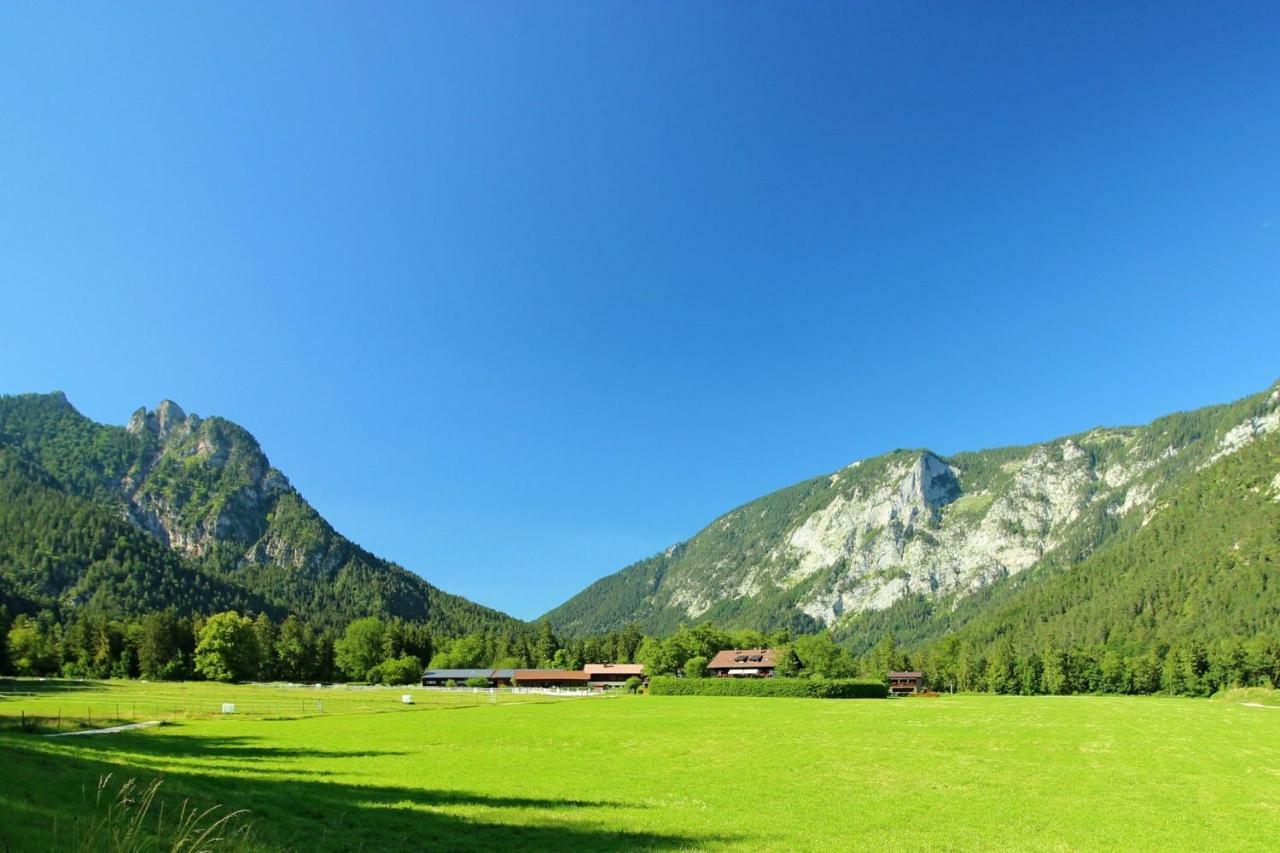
x,y
180,510
917,544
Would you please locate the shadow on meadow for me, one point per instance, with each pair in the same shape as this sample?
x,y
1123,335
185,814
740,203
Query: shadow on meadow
x,y
23,686
46,791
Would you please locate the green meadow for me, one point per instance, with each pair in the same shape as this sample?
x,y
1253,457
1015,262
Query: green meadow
x,y
627,772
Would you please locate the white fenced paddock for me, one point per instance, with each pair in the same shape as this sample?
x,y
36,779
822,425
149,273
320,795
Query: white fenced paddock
x,y
63,705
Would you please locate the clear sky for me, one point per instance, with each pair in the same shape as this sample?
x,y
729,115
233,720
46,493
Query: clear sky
x,y
519,293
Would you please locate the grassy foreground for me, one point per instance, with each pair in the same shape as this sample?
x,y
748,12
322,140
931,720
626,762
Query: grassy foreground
x,y
967,772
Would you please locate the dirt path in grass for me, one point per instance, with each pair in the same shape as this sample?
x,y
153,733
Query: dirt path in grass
x,y
110,730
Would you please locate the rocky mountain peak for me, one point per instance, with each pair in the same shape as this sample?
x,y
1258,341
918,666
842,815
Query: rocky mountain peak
x,y
167,419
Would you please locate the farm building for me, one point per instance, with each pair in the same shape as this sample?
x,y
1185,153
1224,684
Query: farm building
x,y
743,663
612,674
442,677
550,678
905,683
502,677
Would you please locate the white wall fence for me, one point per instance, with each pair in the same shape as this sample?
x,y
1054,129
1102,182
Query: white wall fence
x,y
545,691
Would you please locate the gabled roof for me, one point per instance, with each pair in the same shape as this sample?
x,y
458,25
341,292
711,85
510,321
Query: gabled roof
x,y
504,673
457,674
744,659
614,669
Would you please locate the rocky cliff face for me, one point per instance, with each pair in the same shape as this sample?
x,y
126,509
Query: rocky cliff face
x,y
205,483
915,524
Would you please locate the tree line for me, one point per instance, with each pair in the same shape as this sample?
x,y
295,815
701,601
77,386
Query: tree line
x,y
230,646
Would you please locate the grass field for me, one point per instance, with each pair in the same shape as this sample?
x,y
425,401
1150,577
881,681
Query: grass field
x,y
69,705
966,772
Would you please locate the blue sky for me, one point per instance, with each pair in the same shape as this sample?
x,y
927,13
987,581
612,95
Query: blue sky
x,y
517,294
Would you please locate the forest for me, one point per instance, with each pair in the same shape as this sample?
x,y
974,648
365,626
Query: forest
x,y
229,646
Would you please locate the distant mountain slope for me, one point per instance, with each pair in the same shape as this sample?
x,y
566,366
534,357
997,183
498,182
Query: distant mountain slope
x,y
1204,564
910,540
230,527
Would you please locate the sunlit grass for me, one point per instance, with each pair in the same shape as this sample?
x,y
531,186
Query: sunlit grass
x,y
52,704
965,772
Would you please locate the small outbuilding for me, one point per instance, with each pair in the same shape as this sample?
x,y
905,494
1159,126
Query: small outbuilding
x,y
603,675
905,683
743,663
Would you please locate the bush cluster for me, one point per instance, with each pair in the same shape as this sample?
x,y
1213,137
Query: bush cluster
x,y
798,688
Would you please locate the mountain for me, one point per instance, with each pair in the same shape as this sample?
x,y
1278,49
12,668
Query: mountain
x,y
920,544
175,509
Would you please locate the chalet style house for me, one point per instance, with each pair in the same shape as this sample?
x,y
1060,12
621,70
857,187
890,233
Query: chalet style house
x,y
905,683
743,663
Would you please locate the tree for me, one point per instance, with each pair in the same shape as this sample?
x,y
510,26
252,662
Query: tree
x,y
1029,674
626,644
787,664
228,648
1195,667
294,651
1056,670
999,675
1146,673
546,644
266,632
405,669
563,659
359,649
695,667
1227,664
819,655
32,650
659,658
160,646
1115,673
4,646
1171,677
884,657
463,653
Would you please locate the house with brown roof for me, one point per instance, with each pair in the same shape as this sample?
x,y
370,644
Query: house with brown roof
x,y
550,678
743,663
601,675
905,683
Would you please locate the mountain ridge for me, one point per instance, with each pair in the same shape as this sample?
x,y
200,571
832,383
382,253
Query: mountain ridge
x,y
835,550
204,489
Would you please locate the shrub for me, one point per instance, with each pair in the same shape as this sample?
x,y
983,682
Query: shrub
x,y
798,688
695,667
477,681
406,669
632,684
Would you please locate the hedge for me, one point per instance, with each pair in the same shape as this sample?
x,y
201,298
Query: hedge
x,y
796,688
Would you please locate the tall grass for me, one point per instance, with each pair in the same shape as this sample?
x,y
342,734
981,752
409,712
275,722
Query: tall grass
x,y
131,820
1252,695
